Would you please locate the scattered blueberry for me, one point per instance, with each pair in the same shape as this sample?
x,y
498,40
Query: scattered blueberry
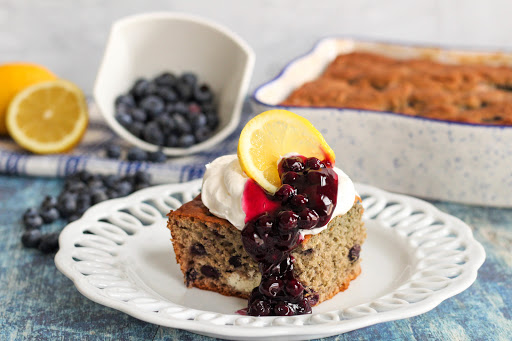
x,y
141,177
49,243
113,151
33,222
49,214
158,157
98,195
136,154
67,204
31,238
49,201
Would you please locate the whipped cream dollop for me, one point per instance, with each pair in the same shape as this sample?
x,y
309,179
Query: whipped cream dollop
x,y
223,189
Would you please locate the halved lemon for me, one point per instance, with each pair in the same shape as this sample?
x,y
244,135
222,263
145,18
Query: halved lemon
x,y
48,117
273,134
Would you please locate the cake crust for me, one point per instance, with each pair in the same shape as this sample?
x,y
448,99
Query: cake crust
x,y
418,87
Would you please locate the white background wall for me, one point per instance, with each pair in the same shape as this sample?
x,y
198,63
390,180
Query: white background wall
x,y
68,36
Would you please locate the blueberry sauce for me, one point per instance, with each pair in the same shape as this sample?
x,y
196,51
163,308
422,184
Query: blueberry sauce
x,y
305,200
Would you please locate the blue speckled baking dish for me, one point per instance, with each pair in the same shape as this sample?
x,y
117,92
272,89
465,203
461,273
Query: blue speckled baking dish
x,y
435,159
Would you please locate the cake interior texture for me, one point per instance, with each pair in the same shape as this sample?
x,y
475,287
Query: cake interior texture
x,y
211,256
473,93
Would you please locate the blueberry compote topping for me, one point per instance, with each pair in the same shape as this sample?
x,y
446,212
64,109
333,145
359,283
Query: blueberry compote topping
x,y
305,200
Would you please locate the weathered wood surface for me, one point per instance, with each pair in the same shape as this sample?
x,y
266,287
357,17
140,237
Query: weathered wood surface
x,y
37,302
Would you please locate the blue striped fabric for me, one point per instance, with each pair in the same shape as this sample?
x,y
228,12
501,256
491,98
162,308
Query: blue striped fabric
x,y
90,155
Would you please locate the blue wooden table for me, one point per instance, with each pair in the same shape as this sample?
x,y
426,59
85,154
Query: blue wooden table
x,y
37,302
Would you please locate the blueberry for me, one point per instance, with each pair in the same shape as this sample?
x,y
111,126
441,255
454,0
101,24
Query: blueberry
x,y
198,120
210,271
33,222
98,195
188,78
308,218
212,119
137,154
49,243
136,128
299,201
31,238
124,119
49,214
67,204
184,90
235,261
75,187
285,192
123,188
153,134
283,309
287,220
125,100
198,249
158,157
142,177
83,176
271,287
313,163
140,88
168,95
49,201
73,217
259,308
94,183
203,94
110,180
166,79
152,105
83,202
181,108
112,193
293,163
186,141
166,123
138,115
171,141
113,151
30,212
354,252
202,134
182,125
294,288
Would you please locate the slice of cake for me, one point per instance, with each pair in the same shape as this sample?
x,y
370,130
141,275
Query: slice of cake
x,y
285,245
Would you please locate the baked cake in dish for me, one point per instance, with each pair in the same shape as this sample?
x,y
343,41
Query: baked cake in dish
x,y
471,93
285,243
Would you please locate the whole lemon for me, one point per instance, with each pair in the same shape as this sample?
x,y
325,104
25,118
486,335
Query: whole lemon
x,y
15,77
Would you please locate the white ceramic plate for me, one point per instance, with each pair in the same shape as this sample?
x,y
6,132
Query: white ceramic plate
x,y
119,255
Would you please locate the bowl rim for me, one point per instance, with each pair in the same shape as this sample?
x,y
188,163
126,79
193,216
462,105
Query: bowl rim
x,y
234,119
318,43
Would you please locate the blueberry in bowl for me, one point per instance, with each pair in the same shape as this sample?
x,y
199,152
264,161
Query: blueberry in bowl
x,y
187,75
168,110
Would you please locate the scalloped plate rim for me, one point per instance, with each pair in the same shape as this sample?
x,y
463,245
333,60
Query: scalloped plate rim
x,y
295,332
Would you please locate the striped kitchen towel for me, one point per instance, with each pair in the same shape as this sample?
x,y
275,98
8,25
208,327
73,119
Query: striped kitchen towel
x,y
90,155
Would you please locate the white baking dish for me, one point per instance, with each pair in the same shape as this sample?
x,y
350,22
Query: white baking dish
x,y
461,162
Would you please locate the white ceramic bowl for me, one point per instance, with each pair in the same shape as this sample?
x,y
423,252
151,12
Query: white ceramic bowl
x,y
148,44
434,159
